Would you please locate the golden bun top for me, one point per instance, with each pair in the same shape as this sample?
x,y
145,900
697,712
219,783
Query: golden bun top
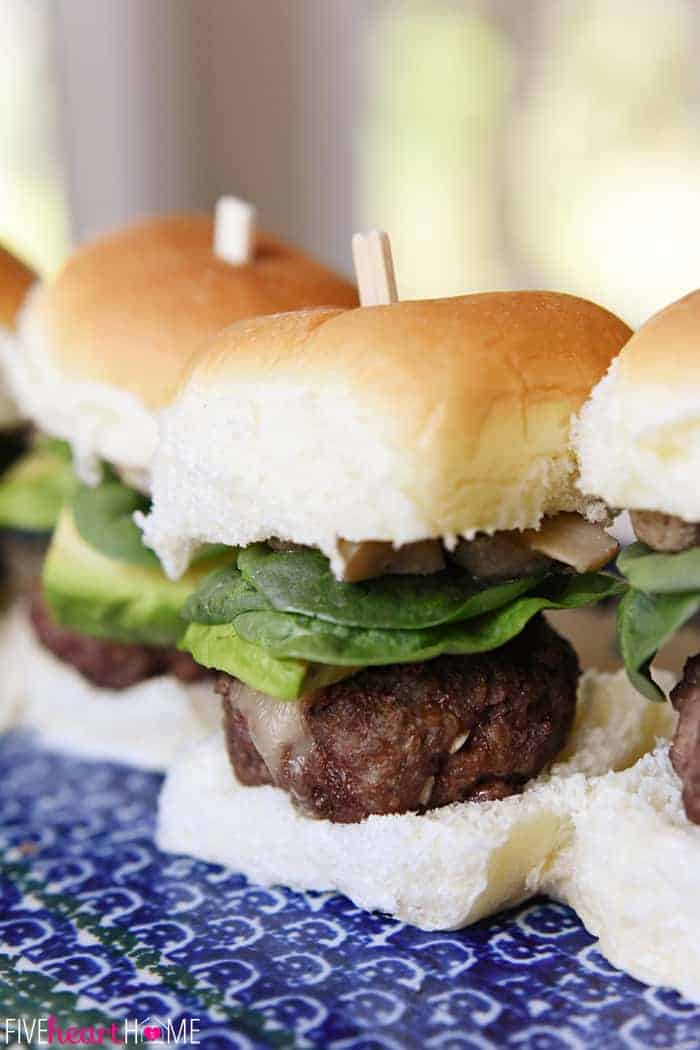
x,y
638,437
129,308
15,280
665,351
104,343
459,353
425,419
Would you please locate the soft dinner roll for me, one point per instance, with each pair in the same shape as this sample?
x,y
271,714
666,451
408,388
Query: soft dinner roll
x,y
13,633
438,870
638,438
631,873
106,340
15,281
145,725
394,423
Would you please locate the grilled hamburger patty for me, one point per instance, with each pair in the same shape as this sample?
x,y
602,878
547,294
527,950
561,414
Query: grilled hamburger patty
x,y
410,736
111,665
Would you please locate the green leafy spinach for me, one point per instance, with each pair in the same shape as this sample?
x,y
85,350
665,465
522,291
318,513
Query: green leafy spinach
x,y
104,517
302,582
290,635
664,594
237,629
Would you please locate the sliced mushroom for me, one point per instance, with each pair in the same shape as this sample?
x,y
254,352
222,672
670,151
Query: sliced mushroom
x,y
664,532
502,556
570,539
566,538
371,558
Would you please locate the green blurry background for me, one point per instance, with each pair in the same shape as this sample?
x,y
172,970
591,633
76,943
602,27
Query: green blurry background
x,y
503,144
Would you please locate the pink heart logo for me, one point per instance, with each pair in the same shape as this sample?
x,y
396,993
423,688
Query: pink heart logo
x,y
151,1033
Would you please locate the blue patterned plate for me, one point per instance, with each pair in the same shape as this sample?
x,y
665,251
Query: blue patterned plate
x,y
98,928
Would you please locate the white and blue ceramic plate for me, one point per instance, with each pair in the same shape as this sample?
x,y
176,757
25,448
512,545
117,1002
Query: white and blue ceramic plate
x,y
98,926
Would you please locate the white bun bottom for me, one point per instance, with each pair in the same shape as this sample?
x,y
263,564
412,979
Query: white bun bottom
x,y
12,657
631,873
440,870
145,725
437,871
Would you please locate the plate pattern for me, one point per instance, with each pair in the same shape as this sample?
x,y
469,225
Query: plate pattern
x,y
96,925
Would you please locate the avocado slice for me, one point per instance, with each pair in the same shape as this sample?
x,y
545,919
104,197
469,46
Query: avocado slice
x,y
97,595
218,646
33,490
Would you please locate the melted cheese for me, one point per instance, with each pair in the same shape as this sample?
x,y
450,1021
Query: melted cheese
x,y
276,728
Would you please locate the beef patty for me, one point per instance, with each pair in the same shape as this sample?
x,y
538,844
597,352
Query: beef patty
x,y
685,749
111,665
410,736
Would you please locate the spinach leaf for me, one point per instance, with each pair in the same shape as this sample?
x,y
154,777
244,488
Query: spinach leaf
x,y
649,571
644,623
219,647
302,582
221,596
104,518
290,635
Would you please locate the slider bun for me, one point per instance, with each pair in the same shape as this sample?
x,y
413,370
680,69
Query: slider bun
x,y
15,281
13,631
631,873
108,338
440,870
638,438
418,420
145,725
128,309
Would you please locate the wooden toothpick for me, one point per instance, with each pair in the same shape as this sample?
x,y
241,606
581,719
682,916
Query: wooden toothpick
x,y
234,230
374,268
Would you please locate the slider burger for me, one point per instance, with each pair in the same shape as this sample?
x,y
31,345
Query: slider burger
x,y
638,442
33,486
102,347
397,493
15,281
37,476
631,856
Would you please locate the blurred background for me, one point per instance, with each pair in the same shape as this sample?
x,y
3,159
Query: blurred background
x,y
550,143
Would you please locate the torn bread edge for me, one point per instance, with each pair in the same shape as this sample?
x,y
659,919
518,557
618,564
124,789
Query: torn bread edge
x,y
603,830
145,725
